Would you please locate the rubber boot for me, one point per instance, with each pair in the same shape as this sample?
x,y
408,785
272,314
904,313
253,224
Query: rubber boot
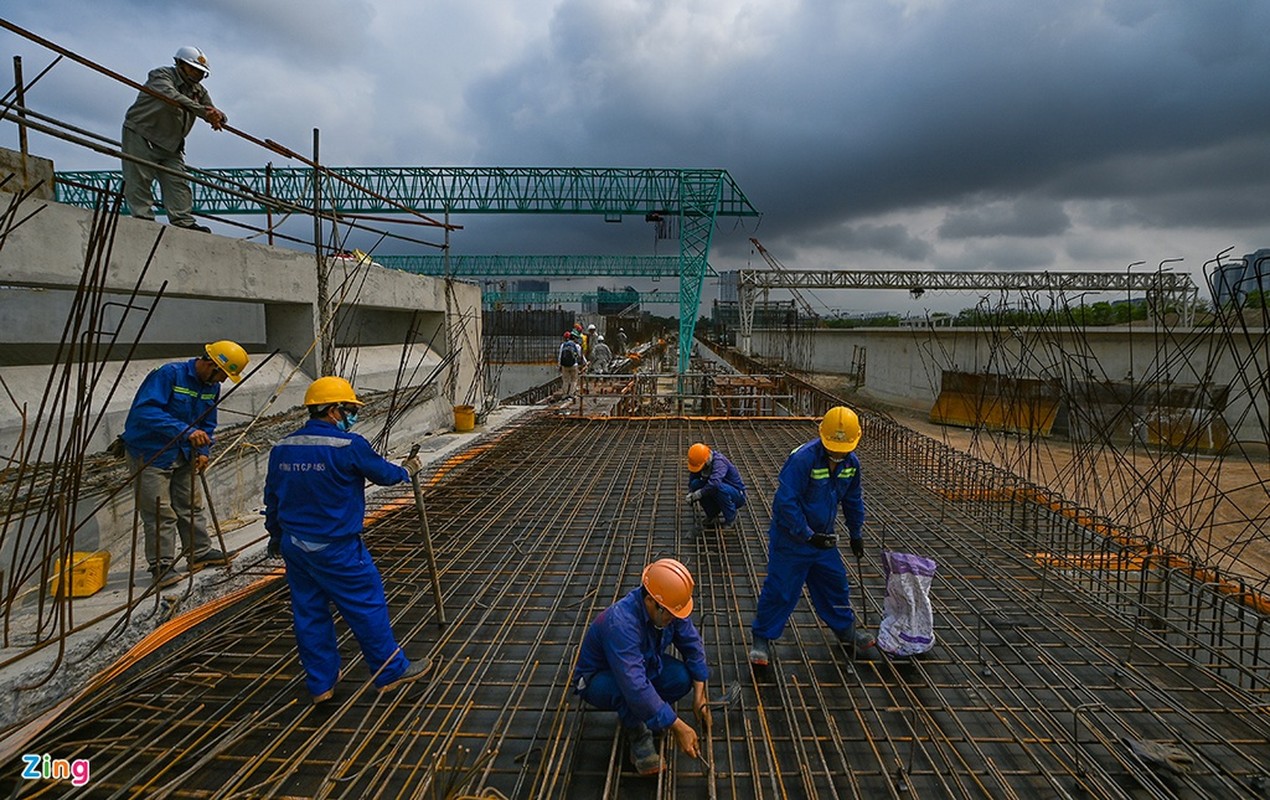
x,y
760,652
644,753
857,641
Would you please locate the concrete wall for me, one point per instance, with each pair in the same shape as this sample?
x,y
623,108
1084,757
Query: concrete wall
x,y
904,365
202,287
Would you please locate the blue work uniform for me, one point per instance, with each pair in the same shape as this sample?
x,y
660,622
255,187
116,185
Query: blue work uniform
x,y
170,403
623,667
807,502
315,504
722,490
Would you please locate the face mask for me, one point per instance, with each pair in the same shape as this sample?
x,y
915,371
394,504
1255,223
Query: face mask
x,y
347,421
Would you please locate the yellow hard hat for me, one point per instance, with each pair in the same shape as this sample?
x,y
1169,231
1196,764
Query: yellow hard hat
x,y
840,430
330,389
229,356
698,455
670,584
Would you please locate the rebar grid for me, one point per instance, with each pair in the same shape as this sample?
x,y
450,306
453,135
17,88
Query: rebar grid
x,y
1035,687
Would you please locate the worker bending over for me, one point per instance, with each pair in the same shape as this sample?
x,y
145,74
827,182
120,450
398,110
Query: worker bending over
x,y
623,667
802,548
715,483
315,505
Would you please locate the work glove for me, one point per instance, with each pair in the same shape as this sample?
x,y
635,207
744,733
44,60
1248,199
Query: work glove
x,y
412,464
692,497
275,547
823,540
857,547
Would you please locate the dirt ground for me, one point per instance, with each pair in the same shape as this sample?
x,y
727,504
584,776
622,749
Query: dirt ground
x,y
1214,509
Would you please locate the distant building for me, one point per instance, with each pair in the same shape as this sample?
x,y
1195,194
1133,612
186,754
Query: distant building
x,y
1232,283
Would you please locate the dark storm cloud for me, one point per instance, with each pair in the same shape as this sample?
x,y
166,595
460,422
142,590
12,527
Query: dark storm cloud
x,y
1026,217
914,130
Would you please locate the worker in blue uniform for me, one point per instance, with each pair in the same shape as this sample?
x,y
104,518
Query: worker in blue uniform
x,y
715,483
623,665
168,437
315,507
817,478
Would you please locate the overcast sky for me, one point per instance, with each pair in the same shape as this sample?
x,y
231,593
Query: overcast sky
x,y
922,134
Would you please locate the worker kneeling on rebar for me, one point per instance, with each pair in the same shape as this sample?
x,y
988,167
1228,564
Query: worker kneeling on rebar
x,y
623,666
315,506
802,548
715,483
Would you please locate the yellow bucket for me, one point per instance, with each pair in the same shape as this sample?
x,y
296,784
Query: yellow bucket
x,y
464,418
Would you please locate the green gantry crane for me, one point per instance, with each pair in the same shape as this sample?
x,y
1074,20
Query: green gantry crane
x,y
695,197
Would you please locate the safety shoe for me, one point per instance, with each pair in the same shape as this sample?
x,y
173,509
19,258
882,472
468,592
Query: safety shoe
x,y
760,655
211,558
644,753
165,575
728,523
318,699
414,672
856,640
195,227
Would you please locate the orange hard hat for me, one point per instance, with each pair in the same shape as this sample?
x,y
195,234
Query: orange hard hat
x,y
670,584
840,430
698,455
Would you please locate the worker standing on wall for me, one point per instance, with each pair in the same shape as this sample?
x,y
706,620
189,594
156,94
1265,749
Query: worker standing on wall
x,y
817,478
154,130
168,437
623,666
715,483
315,507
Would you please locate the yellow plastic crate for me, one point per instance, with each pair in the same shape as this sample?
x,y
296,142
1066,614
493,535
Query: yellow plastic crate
x,y
88,573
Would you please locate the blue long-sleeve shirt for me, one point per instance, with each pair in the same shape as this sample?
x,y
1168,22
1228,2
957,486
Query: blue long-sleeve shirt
x,y
315,487
170,403
624,640
721,471
811,491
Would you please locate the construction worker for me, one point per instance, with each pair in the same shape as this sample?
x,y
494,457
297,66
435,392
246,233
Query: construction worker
x,y
601,355
571,360
715,483
168,436
816,479
622,666
154,131
621,341
315,505
588,341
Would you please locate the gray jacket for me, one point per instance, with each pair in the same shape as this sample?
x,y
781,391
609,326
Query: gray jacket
x,y
162,124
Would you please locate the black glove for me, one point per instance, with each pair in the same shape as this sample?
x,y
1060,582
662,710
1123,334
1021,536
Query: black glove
x,y
823,540
274,549
857,547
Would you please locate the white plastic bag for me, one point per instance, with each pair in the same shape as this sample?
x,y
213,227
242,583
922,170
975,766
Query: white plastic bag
x,y
908,625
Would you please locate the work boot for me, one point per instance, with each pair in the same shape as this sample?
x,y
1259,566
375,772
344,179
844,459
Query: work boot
x,y
194,227
760,655
211,558
644,753
857,641
165,575
414,672
728,523
318,699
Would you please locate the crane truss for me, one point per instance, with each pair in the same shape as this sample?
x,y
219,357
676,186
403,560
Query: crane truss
x,y
1153,285
490,298
696,196
491,266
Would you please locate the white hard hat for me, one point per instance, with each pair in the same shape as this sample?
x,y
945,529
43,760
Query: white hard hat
x,y
591,327
599,337
195,58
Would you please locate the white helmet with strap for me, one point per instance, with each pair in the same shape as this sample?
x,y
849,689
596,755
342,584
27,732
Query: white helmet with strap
x,y
195,58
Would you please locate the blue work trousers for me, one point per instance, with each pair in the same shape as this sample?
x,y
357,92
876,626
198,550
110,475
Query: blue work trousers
x,y
792,564
672,683
342,573
724,501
